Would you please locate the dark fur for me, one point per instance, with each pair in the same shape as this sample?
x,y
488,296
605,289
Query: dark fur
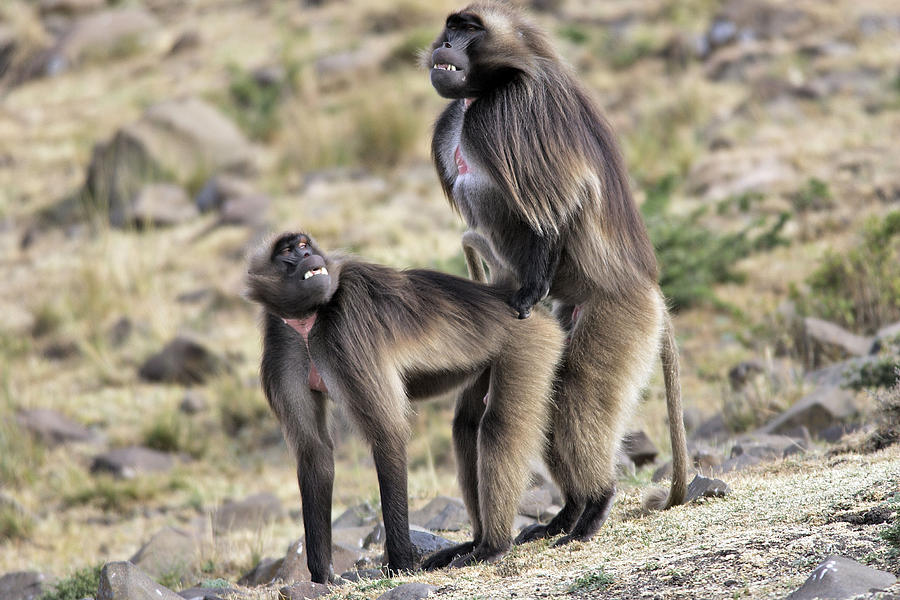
x,y
546,185
383,337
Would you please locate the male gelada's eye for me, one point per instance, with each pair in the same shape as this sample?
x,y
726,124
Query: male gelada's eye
x,y
285,250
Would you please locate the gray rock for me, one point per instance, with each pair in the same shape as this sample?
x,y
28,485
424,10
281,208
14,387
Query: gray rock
x,y
363,575
768,446
356,516
53,428
832,335
124,581
8,44
185,41
129,462
193,402
839,374
714,429
183,360
426,543
156,205
175,140
340,69
705,487
253,513
639,448
293,568
738,463
245,210
22,585
704,458
263,573
816,411
409,591
839,577
742,373
442,512
198,593
221,188
170,552
536,503
120,332
351,537
836,432
304,590
69,8
375,537
102,35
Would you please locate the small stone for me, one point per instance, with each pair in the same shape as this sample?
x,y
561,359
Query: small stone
x,y
219,593
120,332
22,585
124,581
409,591
253,513
639,448
840,577
192,403
714,429
53,428
127,463
352,537
705,487
363,575
375,537
426,543
442,513
304,590
536,503
170,552
185,41
263,573
293,568
767,446
220,189
738,463
183,360
245,210
832,335
742,373
356,516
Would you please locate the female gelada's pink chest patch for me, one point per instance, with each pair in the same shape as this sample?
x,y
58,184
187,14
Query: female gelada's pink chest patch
x,y
302,326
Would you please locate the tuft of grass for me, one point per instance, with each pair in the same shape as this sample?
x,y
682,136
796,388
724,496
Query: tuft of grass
x,y
21,455
574,33
240,407
256,105
14,523
814,195
380,584
694,258
80,584
860,288
592,581
386,132
406,52
892,533
118,495
880,374
172,432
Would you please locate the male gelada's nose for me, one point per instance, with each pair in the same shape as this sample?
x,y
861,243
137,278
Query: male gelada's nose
x,y
306,252
447,45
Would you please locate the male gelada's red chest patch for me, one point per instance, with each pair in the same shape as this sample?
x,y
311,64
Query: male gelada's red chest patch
x,y
462,166
302,326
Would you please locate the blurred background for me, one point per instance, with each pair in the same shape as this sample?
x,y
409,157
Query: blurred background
x,y
145,145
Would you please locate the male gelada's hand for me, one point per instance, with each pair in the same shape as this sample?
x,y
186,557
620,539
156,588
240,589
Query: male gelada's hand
x,y
523,300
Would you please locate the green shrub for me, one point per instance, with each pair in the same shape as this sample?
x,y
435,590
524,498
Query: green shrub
x,y
173,432
892,533
255,104
859,288
815,195
692,257
80,584
592,581
14,523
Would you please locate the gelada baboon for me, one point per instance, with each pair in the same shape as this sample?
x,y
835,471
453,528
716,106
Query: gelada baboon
x,y
523,153
375,337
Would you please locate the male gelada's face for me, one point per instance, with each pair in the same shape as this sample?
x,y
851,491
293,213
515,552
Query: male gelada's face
x,y
451,64
301,263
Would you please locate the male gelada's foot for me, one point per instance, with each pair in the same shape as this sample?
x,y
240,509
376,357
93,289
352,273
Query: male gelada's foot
x,y
481,554
442,559
532,533
565,540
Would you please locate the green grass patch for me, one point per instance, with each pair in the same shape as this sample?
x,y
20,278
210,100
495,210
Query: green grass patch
x,y
814,195
859,288
255,104
379,584
174,432
14,523
80,584
694,258
592,581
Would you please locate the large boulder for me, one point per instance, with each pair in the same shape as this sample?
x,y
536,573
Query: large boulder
x,y
124,581
53,428
293,567
127,463
176,140
253,513
817,411
22,585
842,577
170,552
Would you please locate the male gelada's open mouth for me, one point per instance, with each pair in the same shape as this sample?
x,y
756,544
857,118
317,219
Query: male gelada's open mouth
x,y
314,272
445,67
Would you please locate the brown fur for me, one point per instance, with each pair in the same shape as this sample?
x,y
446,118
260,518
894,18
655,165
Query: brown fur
x,y
383,337
546,185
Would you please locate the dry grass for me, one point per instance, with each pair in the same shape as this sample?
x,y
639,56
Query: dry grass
x,y
349,162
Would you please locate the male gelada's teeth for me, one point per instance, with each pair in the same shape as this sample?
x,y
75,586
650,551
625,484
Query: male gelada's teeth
x,y
323,271
307,275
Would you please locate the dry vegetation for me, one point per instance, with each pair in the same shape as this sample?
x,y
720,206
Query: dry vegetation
x,y
756,190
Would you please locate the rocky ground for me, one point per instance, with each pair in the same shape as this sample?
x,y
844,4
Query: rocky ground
x,y
146,145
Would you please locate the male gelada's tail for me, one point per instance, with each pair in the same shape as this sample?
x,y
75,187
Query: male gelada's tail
x,y
658,499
